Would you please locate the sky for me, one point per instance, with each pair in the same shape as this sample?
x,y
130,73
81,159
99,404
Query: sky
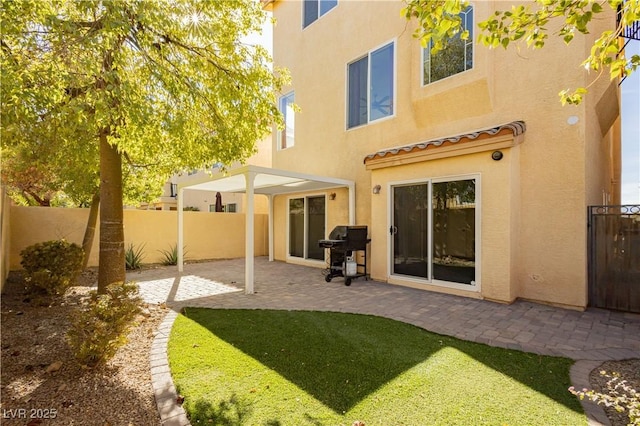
x,y
630,91
631,132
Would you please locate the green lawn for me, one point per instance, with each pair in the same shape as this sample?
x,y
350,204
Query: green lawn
x,y
260,367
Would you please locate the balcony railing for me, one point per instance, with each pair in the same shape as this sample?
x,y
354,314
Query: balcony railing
x,y
629,32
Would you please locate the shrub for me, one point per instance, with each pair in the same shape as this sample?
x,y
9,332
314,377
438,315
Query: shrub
x,y
170,256
51,266
98,330
133,257
619,395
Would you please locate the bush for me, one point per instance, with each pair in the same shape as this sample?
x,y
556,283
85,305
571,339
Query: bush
x,y
619,395
133,257
52,266
170,256
98,331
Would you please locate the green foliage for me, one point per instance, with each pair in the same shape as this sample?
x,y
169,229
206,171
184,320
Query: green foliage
x,y
100,328
619,395
172,84
170,256
528,23
161,86
133,256
191,209
51,266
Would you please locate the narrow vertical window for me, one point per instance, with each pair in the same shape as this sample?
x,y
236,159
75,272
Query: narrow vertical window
x,y
358,92
286,136
457,57
371,85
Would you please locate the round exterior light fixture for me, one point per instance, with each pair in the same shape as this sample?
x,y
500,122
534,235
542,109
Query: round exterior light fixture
x,y
497,155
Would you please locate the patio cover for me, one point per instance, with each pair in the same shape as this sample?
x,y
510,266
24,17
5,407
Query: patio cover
x,y
253,180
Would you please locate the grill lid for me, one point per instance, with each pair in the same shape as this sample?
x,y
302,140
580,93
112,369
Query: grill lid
x,y
338,233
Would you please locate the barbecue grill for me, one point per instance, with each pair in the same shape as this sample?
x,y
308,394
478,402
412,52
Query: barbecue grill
x,y
344,242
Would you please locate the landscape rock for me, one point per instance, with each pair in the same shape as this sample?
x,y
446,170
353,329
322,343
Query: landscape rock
x,y
52,368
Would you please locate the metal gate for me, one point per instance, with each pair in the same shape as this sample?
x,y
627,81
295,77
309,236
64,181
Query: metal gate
x,y
614,257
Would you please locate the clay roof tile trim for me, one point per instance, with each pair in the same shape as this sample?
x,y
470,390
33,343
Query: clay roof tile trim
x,y
516,127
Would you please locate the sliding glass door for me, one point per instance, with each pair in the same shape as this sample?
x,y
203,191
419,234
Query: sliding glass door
x,y
306,227
434,230
409,229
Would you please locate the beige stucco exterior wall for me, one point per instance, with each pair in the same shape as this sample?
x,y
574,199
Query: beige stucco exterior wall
x,y
554,174
207,236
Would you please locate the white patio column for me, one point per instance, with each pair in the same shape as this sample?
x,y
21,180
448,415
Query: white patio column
x,y
352,204
180,242
270,227
249,231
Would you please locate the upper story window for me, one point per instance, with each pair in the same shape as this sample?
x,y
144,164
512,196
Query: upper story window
x,y
371,87
455,58
286,136
313,9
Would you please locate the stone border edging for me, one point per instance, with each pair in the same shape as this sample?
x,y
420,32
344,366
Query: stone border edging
x,y
579,376
171,413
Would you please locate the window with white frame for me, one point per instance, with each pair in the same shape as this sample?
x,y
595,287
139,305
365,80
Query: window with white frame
x,y
371,84
313,9
457,57
286,136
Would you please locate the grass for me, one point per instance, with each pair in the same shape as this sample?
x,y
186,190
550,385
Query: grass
x,y
260,367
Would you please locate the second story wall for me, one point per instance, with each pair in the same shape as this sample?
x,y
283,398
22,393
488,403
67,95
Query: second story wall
x,y
501,86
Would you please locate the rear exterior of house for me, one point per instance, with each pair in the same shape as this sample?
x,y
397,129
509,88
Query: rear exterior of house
x,y
471,176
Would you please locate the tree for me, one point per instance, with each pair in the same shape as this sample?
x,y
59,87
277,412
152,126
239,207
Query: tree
x,y
27,181
159,87
438,21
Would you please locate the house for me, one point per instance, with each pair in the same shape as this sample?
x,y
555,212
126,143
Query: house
x,y
205,201
472,177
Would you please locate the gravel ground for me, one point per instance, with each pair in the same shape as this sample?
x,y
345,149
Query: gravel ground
x,y
628,370
33,340
118,393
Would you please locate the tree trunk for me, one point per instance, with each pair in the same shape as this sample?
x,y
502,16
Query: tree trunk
x,y
90,230
111,268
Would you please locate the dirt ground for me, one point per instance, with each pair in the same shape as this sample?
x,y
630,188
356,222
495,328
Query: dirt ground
x,y
33,344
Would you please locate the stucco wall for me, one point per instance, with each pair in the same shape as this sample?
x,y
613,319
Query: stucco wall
x,y
555,173
206,235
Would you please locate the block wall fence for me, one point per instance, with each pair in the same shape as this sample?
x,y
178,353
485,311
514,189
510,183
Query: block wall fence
x,y
206,235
